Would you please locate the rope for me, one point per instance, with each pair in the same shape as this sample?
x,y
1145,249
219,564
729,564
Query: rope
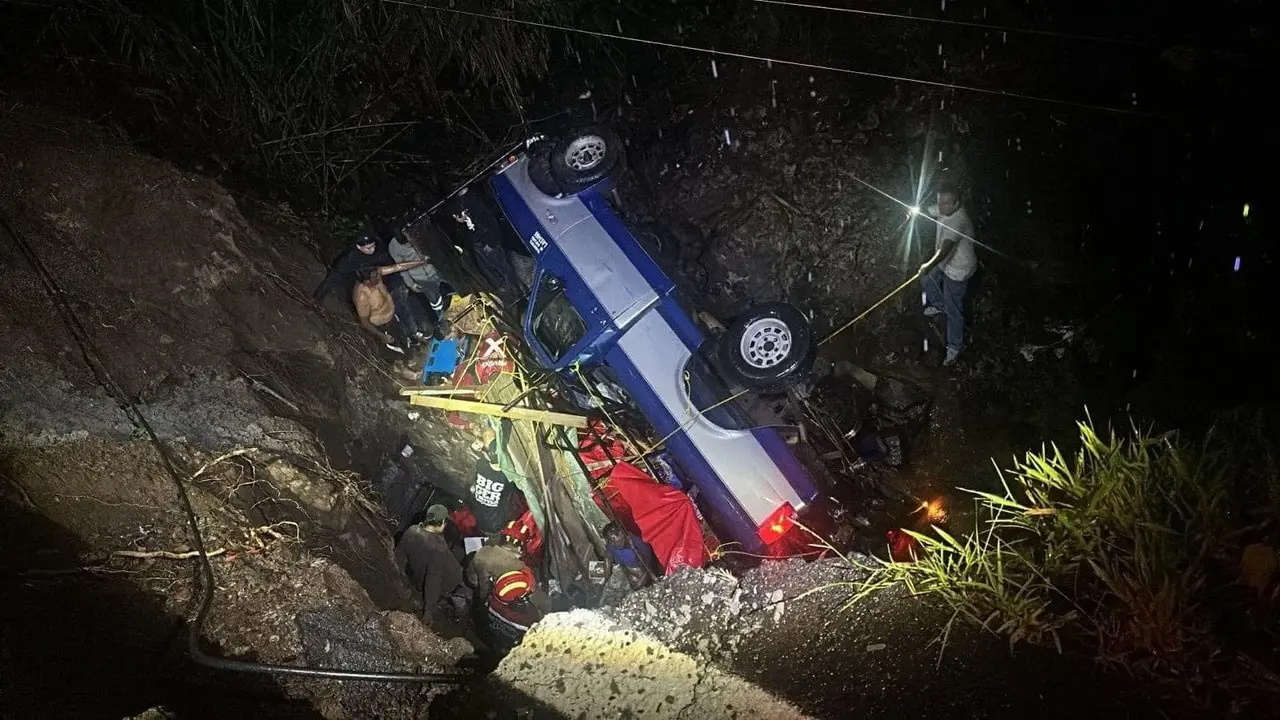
x,y
905,283
779,61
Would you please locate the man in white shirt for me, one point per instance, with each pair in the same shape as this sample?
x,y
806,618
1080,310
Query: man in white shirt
x,y
946,274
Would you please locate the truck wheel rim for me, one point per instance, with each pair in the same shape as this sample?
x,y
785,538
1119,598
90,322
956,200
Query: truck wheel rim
x,y
585,152
765,343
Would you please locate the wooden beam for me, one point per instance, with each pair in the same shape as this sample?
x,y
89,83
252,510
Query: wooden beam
x,y
440,390
496,410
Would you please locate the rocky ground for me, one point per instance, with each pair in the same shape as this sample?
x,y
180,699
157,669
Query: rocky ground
x,y
793,630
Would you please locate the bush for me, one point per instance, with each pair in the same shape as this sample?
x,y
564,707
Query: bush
x,y
1130,548
303,93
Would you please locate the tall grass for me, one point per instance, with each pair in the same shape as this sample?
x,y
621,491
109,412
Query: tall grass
x,y
305,92
1129,548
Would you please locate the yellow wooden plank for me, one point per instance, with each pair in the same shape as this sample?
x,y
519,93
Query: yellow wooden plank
x,y
441,390
484,408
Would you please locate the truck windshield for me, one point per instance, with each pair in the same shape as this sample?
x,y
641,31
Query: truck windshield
x,y
556,324
709,395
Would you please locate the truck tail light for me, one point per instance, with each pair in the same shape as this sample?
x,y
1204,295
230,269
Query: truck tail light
x,y
777,524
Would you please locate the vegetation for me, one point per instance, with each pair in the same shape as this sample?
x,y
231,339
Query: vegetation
x,y
304,94
1153,554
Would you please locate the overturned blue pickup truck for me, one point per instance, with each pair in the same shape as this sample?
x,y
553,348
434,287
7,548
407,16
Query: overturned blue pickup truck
x,y
597,308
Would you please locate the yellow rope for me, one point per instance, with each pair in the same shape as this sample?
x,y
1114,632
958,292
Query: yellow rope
x,y
869,310
744,391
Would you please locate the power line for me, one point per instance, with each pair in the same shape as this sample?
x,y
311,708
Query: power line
x,y
960,23
791,63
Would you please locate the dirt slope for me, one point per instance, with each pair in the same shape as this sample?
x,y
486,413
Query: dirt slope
x,y
196,303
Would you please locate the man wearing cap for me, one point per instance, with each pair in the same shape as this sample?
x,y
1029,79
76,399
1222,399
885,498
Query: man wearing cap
x,y
366,251
425,556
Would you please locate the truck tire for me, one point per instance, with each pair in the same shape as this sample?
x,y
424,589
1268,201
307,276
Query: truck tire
x,y
768,348
583,158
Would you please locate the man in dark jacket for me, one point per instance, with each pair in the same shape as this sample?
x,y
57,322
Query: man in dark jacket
x,y
367,251
432,568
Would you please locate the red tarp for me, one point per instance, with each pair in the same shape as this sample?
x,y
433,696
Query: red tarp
x,y
660,514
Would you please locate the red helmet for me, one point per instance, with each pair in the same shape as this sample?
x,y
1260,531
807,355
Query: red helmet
x,y
519,530
513,585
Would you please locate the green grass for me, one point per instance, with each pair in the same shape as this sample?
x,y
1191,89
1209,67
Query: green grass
x,y
1128,549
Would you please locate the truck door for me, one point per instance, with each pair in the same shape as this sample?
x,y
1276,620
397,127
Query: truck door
x,y
562,322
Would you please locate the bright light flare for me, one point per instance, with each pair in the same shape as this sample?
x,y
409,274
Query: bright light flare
x,y
914,209
934,511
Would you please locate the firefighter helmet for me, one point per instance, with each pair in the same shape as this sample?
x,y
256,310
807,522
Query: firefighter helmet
x,y
513,585
519,531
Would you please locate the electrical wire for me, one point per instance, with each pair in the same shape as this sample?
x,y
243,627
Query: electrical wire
x,y
779,61
960,23
93,359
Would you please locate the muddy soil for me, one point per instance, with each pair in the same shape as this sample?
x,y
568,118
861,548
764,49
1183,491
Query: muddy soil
x,y
275,409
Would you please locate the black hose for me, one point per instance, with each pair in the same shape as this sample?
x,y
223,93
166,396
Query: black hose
x,y
207,586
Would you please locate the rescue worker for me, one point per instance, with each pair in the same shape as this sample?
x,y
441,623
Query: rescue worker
x,y
376,309
511,609
500,555
433,570
946,275
423,280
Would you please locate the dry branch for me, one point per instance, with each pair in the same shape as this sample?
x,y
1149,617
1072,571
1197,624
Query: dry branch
x,y
165,554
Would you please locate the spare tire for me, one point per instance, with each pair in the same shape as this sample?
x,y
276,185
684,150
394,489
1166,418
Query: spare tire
x,y
768,348
583,158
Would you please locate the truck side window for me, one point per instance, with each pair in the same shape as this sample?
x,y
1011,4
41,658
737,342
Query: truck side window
x,y
556,324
